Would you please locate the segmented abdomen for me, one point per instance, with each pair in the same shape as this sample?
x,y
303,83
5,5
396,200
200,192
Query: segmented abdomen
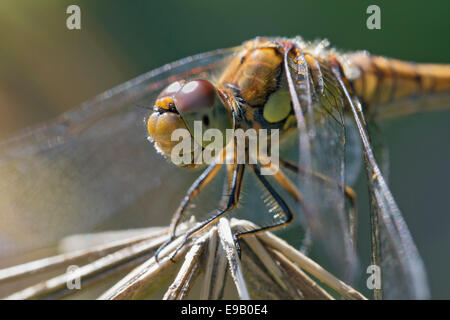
x,y
395,87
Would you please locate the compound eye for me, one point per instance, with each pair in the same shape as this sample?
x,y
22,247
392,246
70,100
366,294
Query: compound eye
x,y
171,89
194,96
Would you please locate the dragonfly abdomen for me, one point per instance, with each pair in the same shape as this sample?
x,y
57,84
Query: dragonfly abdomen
x,y
389,87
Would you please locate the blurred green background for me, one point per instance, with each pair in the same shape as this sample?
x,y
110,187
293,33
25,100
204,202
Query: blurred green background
x,y
46,69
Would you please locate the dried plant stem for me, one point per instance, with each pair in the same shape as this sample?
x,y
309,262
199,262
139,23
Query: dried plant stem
x,y
309,288
265,258
273,268
106,242
210,266
82,241
215,274
228,244
141,277
89,270
310,266
182,283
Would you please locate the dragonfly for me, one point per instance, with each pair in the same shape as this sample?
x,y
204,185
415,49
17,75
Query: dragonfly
x,y
92,163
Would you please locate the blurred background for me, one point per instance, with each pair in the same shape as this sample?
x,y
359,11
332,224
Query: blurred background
x,y
46,69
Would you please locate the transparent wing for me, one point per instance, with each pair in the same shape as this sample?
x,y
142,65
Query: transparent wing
x,y
321,153
74,173
402,271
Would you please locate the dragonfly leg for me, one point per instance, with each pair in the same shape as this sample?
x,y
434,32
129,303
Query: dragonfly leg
x,y
292,189
348,192
233,199
284,207
207,176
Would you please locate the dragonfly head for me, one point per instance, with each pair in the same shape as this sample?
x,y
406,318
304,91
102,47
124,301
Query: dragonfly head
x,y
186,106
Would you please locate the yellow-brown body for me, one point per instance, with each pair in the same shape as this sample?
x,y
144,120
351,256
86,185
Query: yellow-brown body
x,y
391,87
253,86
386,87
255,73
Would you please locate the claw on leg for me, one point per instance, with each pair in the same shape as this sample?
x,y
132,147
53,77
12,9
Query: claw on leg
x,y
161,247
237,245
182,244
